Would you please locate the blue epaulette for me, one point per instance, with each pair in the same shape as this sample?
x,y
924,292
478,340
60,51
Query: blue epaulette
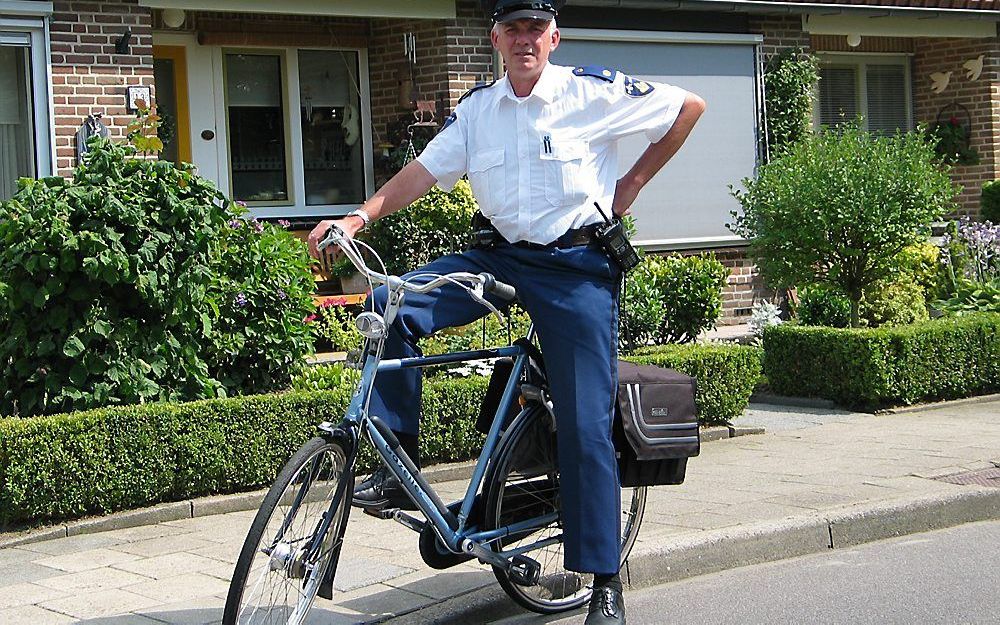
x,y
597,71
482,85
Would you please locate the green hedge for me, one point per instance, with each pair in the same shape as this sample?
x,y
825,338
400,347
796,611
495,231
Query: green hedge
x,y
726,374
871,368
100,461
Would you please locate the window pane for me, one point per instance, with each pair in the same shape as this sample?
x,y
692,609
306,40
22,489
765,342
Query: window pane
x,y
256,127
166,107
331,127
886,85
16,133
838,95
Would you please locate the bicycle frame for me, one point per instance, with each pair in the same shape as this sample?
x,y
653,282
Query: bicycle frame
x,y
454,532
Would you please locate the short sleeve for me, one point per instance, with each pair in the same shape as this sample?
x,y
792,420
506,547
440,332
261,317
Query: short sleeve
x,y
446,155
642,106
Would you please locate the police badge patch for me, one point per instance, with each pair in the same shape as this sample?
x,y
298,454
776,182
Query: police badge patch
x,y
449,121
637,88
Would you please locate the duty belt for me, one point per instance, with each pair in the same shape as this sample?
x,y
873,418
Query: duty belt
x,y
485,234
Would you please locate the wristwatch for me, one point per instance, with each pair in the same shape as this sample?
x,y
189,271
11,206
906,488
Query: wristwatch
x,y
362,215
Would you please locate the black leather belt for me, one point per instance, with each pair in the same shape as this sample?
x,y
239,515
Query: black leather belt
x,y
573,238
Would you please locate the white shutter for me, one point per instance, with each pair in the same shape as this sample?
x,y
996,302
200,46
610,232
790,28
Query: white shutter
x,y
838,95
886,86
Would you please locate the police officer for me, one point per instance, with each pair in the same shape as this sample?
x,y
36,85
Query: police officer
x,y
540,148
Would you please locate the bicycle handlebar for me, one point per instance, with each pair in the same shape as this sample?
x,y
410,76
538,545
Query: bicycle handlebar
x,y
489,284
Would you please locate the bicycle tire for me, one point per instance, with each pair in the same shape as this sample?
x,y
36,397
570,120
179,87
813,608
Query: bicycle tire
x,y
278,521
526,474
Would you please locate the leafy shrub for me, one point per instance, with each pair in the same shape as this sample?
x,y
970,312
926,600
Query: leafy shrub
x,y
823,306
334,322
839,207
971,268
789,80
262,291
487,332
873,367
894,304
689,290
990,201
436,224
116,289
971,296
726,375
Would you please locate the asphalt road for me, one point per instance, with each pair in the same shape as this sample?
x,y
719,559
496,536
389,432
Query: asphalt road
x,y
950,577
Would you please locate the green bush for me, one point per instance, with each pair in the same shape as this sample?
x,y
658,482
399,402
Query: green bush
x,y
990,201
839,207
482,334
435,225
789,91
334,322
870,368
894,304
129,284
726,375
823,306
689,291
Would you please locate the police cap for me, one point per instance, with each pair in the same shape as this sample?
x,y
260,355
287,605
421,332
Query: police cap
x,y
507,10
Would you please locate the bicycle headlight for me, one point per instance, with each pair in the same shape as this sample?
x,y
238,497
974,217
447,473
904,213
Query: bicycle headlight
x,y
370,325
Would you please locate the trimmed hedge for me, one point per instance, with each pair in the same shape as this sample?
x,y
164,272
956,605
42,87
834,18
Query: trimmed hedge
x,y
870,368
100,461
726,374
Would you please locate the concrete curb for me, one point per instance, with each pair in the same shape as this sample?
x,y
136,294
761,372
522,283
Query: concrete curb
x,y
239,502
939,404
717,550
786,400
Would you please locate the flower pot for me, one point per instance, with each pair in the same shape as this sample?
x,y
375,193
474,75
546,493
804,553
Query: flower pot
x,y
353,283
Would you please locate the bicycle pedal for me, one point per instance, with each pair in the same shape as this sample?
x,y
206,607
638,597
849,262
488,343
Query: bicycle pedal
x,y
381,513
524,571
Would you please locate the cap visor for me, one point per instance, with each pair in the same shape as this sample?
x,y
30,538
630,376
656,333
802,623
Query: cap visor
x,y
531,14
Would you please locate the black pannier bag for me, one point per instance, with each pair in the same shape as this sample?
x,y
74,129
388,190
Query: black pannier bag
x,y
656,424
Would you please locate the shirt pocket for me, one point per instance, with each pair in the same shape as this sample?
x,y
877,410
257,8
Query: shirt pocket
x,y
487,179
562,162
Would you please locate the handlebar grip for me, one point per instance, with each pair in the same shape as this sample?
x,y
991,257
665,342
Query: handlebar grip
x,y
501,289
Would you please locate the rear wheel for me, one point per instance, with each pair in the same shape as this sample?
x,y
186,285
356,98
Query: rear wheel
x,y
525,485
278,574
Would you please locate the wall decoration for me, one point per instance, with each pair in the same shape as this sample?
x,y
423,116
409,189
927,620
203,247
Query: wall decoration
x,y
974,67
952,134
939,81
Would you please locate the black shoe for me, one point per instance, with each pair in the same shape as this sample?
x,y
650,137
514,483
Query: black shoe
x,y
380,491
607,607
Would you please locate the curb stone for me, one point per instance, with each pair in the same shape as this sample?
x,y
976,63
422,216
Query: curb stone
x,y
240,502
939,404
722,549
787,400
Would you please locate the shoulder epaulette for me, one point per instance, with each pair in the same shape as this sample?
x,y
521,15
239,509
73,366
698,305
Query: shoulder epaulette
x,y
478,87
596,71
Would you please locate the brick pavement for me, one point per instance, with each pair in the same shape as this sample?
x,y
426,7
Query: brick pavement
x,y
810,462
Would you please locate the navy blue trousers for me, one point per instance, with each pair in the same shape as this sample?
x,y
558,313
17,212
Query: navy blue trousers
x,y
571,296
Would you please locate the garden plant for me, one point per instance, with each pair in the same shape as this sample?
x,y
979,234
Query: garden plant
x,y
838,208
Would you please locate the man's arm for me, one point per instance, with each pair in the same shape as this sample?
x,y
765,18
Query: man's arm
x,y
657,155
402,190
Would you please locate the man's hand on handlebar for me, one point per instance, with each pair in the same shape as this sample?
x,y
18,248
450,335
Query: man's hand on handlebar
x,y
349,225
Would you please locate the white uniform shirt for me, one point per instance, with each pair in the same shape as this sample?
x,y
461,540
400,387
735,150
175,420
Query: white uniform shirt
x,y
537,164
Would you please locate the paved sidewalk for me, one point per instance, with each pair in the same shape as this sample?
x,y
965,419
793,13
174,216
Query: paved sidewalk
x,y
816,476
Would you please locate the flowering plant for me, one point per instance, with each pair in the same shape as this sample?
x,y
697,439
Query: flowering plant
x,y
765,314
951,142
972,263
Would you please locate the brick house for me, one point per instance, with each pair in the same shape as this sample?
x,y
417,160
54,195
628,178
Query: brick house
x,y
292,106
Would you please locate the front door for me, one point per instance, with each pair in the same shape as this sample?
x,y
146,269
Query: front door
x,y
170,76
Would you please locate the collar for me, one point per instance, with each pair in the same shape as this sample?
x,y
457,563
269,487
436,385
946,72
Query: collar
x,y
546,88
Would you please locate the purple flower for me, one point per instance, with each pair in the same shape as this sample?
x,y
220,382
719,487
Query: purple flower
x,y
235,223
282,295
241,299
284,223
241,203
259,227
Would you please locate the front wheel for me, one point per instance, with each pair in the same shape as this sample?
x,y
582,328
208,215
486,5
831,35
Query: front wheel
x,y
279,573
525,485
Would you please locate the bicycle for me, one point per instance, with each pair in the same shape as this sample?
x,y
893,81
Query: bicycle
x,y
508,519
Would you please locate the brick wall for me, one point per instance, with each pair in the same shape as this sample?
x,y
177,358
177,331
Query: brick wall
x,y
980,97
779,32
88,76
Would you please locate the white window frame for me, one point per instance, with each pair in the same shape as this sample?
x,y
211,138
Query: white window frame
x,y
860,62
295,206
21,16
